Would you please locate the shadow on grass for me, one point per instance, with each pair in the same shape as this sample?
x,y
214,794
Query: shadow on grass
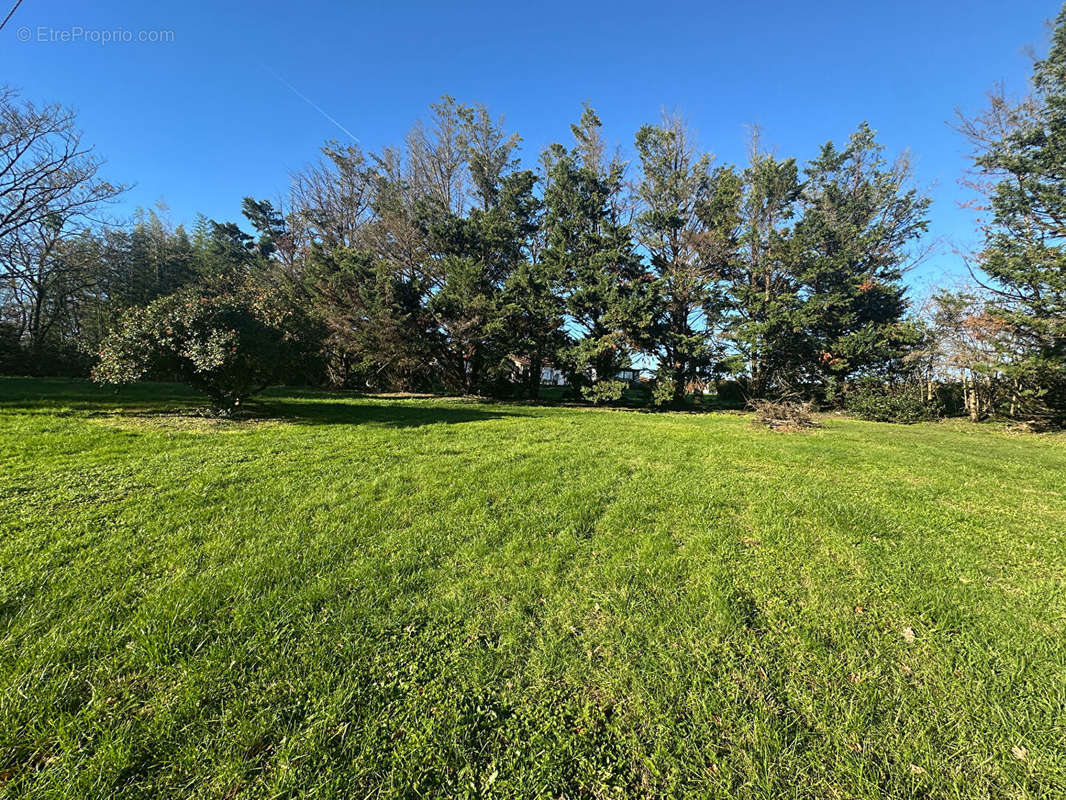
x,y
175,404
53,395
395,414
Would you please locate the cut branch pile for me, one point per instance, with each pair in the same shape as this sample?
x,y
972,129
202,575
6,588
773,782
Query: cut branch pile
x,y
783,415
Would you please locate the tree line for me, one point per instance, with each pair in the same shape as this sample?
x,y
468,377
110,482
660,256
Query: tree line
x,y
445,264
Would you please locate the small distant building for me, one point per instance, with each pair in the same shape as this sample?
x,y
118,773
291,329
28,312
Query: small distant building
x,y
552,376
698,386
630,376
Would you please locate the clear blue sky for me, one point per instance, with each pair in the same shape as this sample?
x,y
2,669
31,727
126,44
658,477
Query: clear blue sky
x,y
199,122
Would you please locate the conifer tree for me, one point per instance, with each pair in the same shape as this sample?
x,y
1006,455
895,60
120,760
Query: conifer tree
x,y
756,264
589,250
1020,157
861,216
673,190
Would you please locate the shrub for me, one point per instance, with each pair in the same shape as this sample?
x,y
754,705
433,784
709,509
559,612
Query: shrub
x,y
951,398
10,349
732,393
783,415
880,404
230,345
662,393
603,392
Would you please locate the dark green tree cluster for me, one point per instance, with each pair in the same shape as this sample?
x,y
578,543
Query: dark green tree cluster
x,y
445,264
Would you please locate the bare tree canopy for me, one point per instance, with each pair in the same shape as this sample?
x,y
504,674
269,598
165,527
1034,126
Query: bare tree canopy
x,y
46,172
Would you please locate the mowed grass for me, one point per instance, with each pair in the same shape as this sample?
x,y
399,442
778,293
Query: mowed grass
x,y
385,597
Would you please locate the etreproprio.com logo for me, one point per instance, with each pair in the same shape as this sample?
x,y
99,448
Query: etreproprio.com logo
x,y
77,33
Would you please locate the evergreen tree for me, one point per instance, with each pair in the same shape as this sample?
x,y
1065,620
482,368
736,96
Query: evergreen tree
x,y
474,214
859,221
589,250
471,260
530,324
757,268
530,320
1020,153
674,189
377,335
269,223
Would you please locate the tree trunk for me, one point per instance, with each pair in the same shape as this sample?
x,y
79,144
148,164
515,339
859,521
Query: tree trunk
x,y
534,376
679,383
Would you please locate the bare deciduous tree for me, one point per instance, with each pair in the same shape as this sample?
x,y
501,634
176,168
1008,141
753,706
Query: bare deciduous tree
x,y
331,200
50,194
45,170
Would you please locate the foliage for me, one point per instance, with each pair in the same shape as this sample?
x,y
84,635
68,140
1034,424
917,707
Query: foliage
x,y
230,345
590,252
890,404
603,391
663,392
530,320
378,335
675,186
755,258
859,221
441,264
733,392
965,342
1018,153
51,197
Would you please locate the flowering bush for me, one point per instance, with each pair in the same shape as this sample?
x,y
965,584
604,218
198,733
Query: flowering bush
x,y
229,346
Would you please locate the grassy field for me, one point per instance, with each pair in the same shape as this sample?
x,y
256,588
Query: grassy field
x,y
377,597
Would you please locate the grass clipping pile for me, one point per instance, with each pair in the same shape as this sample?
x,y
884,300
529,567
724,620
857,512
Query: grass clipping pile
x,y
785,416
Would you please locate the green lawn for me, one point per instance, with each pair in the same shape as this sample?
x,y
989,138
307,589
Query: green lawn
x,y
377,597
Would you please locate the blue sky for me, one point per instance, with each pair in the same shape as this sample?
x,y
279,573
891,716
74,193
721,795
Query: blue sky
x,y
203,120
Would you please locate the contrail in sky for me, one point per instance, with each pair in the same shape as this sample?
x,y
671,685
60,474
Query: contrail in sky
x,y
308,100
